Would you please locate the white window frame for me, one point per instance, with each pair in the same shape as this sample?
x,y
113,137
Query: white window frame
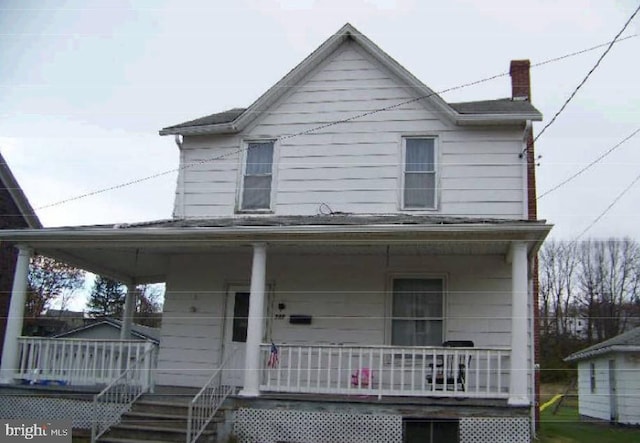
x,y
436,172
243,170
389,302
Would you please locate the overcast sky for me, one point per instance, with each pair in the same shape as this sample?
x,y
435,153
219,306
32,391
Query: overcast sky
x,y
86,85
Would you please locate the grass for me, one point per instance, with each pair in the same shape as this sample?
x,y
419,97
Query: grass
x,y
566,427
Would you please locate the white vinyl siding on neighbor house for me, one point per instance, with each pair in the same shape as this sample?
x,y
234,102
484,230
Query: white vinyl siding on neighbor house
x,y
356,166
627,378
346,296
594,404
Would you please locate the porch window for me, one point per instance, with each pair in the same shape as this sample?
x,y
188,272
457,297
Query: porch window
x,y
419,173
417,312
256,186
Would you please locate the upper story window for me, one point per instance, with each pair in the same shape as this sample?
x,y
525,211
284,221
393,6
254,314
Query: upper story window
x,y
419,173
256,182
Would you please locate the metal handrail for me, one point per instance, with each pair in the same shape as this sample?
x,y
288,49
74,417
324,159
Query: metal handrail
x,y
122,391
205,404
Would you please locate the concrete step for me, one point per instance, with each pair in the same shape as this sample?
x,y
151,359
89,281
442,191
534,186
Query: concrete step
x,y
105,439
162,420
147,433
171,421
161,407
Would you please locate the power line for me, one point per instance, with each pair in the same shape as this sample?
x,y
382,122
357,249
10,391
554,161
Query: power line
x,y
584,80
318,128
608,208
597,160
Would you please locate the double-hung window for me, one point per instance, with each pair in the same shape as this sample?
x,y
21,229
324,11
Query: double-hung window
x,y
417,312
419,173
256,182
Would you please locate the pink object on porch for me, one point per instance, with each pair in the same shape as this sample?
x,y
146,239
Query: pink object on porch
x,y
361,377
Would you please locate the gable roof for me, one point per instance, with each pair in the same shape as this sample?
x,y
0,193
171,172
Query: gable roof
x,y
236,119
20,199
143,332
626,342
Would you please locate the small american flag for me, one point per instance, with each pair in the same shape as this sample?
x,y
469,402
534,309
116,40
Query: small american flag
x,y
273,356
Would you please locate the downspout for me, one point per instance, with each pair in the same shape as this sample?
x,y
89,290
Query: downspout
x,y
179,206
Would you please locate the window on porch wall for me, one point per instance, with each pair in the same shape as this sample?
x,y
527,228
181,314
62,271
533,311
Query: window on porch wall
x,y
417,312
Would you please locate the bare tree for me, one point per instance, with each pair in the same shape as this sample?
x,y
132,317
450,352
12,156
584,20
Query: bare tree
x,y
49,280
148,305
609,280
557,273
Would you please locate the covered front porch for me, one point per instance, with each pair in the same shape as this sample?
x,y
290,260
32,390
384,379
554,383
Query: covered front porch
x,y
309,308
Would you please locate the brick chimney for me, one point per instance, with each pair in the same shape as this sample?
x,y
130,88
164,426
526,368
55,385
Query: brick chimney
x,y
520,81
521,90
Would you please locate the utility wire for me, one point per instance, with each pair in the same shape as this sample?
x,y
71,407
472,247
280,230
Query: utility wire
x,y
584,80
608,208
318,128
597,160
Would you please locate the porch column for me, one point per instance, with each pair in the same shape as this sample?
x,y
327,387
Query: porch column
x,y
15,317
127,315
518,394
255,327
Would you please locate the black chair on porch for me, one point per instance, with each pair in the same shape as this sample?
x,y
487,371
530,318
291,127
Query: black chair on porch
x,y
451,368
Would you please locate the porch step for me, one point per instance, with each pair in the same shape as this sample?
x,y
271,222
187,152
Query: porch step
x,y
155,433
172,421
152,421
161,407
127,440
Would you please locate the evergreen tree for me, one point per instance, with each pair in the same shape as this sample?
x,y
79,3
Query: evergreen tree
x,y
107,298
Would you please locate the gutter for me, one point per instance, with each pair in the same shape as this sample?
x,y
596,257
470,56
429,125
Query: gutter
x,y
17,235
496,119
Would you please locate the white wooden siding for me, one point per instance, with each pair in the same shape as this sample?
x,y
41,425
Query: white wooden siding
x,y
346,295
598,404
355,166
594,404
628,384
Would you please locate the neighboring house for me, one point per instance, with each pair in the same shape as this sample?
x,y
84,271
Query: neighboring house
x,y
350,249
577,325
53,322
109,329
15,212
609,379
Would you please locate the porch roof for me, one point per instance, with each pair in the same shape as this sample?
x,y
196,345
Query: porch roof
x,y
140,252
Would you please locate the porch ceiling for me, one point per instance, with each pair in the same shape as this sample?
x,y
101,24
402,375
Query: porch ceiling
x,y
142,254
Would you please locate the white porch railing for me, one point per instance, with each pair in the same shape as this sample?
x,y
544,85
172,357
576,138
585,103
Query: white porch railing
x,y
70,361
208,400
387,370
119,395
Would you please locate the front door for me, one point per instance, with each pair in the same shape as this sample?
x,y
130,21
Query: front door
x,y
613,400
236,335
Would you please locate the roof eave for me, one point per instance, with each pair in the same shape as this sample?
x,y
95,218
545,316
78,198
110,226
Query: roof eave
x,y
18,195
215,233
496,119
583,355
220,128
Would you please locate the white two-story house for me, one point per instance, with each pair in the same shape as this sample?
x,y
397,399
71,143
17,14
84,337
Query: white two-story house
x,y
349,250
